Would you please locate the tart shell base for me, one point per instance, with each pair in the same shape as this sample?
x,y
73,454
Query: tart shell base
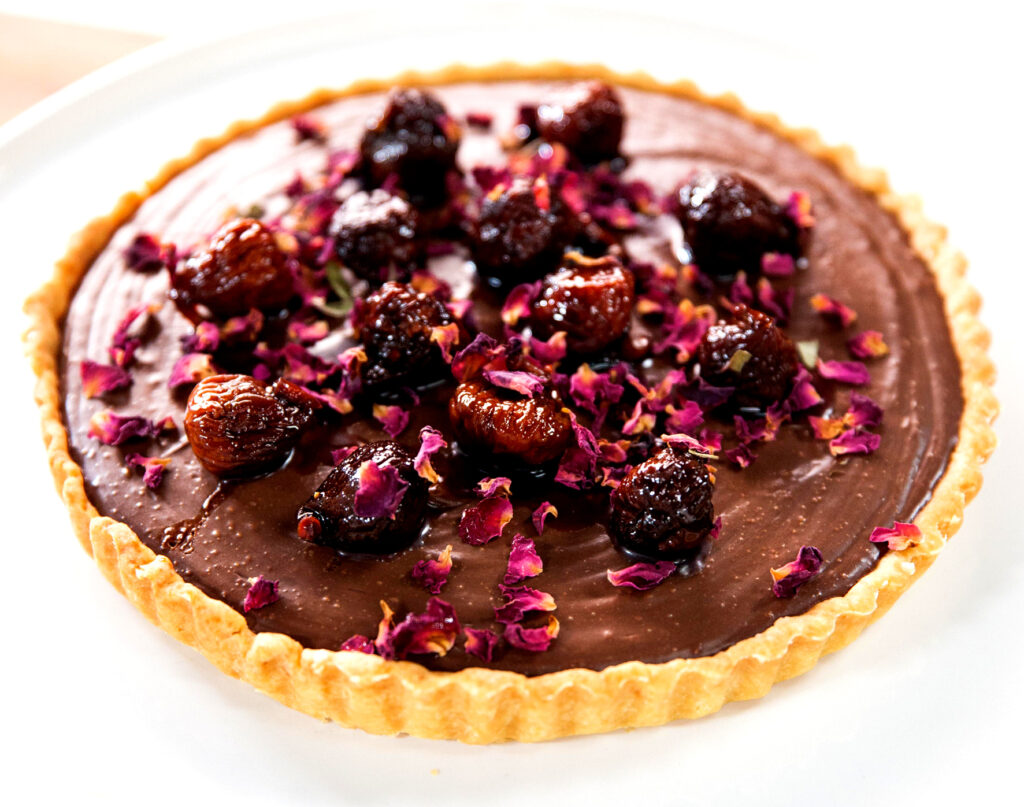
x,y
479,705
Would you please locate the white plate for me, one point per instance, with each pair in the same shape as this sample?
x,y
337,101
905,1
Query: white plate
x,y
107,708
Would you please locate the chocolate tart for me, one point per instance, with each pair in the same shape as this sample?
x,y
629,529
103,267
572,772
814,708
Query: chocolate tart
x,y
623,658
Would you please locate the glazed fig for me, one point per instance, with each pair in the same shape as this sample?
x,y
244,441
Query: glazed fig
x,y
242,268
663,507
395,325
521,231
383,475
237,425
490,421
589,298
375,234
586,118
413,139
729,222
750,353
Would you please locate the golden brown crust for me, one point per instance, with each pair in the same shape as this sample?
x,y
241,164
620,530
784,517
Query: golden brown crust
x,y
479,705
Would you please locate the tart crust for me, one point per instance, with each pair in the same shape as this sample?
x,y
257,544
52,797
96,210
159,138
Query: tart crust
x,y
479,705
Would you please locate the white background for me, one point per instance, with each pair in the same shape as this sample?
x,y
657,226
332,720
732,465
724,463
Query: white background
x,y
100,707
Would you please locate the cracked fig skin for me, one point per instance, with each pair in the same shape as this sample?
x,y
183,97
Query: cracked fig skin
x,y
482,705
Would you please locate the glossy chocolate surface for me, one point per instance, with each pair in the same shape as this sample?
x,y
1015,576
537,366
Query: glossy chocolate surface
x,y
795,493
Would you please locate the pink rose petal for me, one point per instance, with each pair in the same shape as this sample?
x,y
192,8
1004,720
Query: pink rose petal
x,y
868,345
153,468
788,578
380,491
432,632
98,379
520,601
846,372
642,576
541,514
523,561
191,369
481,643
482,523
493,486
899,536
831,308
431,441
854,441
262,592
535,640
433,573
393,419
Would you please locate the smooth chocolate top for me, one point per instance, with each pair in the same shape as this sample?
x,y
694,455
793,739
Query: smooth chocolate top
x,y
795,493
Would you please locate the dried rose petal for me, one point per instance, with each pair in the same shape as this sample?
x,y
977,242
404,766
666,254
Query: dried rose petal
x,y
472,358
432,573
482,523
433,631
587,388
614,453
122,347
518,304
523,561
640,421
854,441
831,308
541,514
686,420
350,360
691,444
868,345
826,428
359,644
787,579
338,454
431,441
804,395
98,379
742,455
204,339
740,291
243,328
520,601
393,419
309,128
778,264
552,351
147,254
526,384
777,302
445,337
308,332
191,369
262,592
862,412
536,640
113,429
899,536
493,486
380,491
684,326
335,400
154,468
576,469
798,209
846,372
481,643
642,576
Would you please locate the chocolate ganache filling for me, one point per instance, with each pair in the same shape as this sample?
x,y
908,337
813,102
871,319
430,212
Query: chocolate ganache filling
x,y
221,533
